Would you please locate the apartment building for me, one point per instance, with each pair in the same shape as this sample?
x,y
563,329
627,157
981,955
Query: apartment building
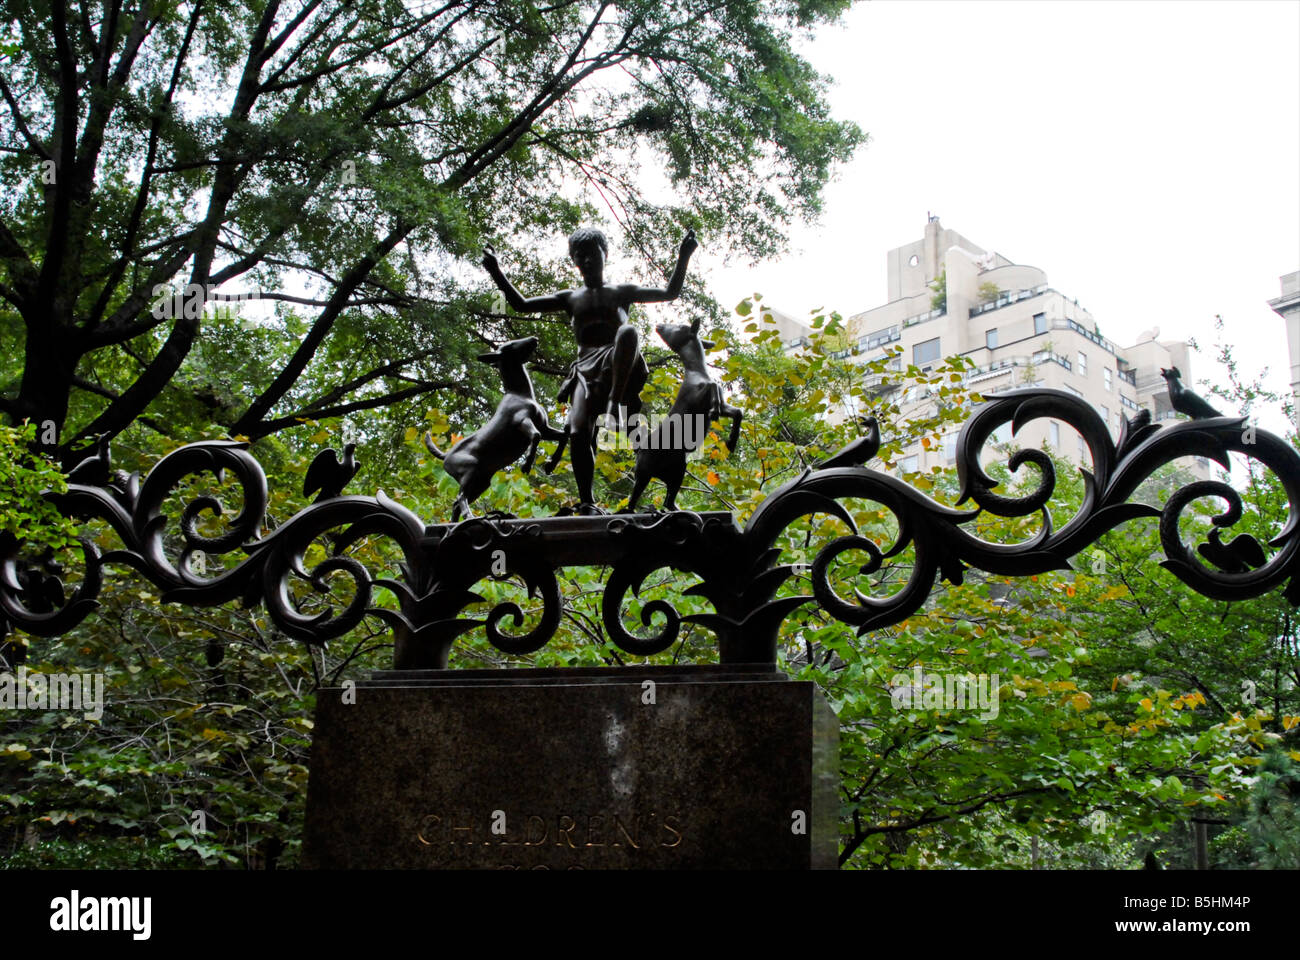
x,y
1017,329
1287,306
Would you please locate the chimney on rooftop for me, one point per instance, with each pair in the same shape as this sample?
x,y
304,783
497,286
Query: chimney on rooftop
x,y
933,249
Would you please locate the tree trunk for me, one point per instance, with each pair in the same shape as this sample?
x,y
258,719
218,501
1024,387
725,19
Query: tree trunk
x,y
49,363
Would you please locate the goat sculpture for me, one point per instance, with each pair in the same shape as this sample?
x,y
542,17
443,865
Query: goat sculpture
x,y
518,424
663,453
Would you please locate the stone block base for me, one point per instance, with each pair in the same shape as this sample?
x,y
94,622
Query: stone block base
x,y
711,767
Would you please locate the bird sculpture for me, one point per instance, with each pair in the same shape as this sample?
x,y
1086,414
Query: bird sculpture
x,y
42,590
1133,432
328,474
1184,400
1240,555
97,470
857,452
94,470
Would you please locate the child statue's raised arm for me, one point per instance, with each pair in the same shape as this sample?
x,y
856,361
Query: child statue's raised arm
x,y
637,294
552,303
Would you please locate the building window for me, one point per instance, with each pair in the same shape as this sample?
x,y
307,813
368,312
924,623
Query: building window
x,y
910,464
1040,323
1071,389
1083,364
1079,442
1105,414
1105,376
1054,435
991,338
950,447
926,352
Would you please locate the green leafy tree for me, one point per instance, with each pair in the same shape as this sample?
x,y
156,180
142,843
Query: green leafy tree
x,y
336,160
940,287
1102,746
25,478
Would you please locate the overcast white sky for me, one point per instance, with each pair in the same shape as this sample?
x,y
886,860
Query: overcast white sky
x,y
1146,155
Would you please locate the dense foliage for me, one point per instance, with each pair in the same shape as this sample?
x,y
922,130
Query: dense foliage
x,y
343,161
338,161
1120,712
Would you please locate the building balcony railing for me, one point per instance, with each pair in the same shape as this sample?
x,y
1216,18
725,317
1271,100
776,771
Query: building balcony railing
x,y
1003,364
878,338
1044,356
879,382
996,368
1129,377
865,342
1126,402
1087,334
1006,299
925,317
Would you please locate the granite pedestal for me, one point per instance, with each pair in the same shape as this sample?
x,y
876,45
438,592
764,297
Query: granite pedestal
x,y
710,767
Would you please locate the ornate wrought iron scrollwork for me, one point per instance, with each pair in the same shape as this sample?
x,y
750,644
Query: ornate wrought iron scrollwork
x,y
945,546
738,569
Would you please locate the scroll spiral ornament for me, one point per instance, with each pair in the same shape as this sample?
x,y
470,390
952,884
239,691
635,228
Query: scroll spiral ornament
x,y
648,543
944,544
738,570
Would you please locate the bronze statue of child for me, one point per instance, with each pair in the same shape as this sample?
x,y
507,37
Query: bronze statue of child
x,y
607,377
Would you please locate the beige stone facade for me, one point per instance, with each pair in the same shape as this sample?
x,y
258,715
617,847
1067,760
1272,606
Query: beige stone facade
x,y
1029,334
1287,306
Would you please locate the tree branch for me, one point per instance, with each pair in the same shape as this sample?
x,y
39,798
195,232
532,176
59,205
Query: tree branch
x,y
20,123
268,427
292,370
146,175
343,389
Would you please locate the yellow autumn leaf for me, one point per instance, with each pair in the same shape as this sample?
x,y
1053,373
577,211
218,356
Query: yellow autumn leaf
x,y
1081,701
713,478
410,434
